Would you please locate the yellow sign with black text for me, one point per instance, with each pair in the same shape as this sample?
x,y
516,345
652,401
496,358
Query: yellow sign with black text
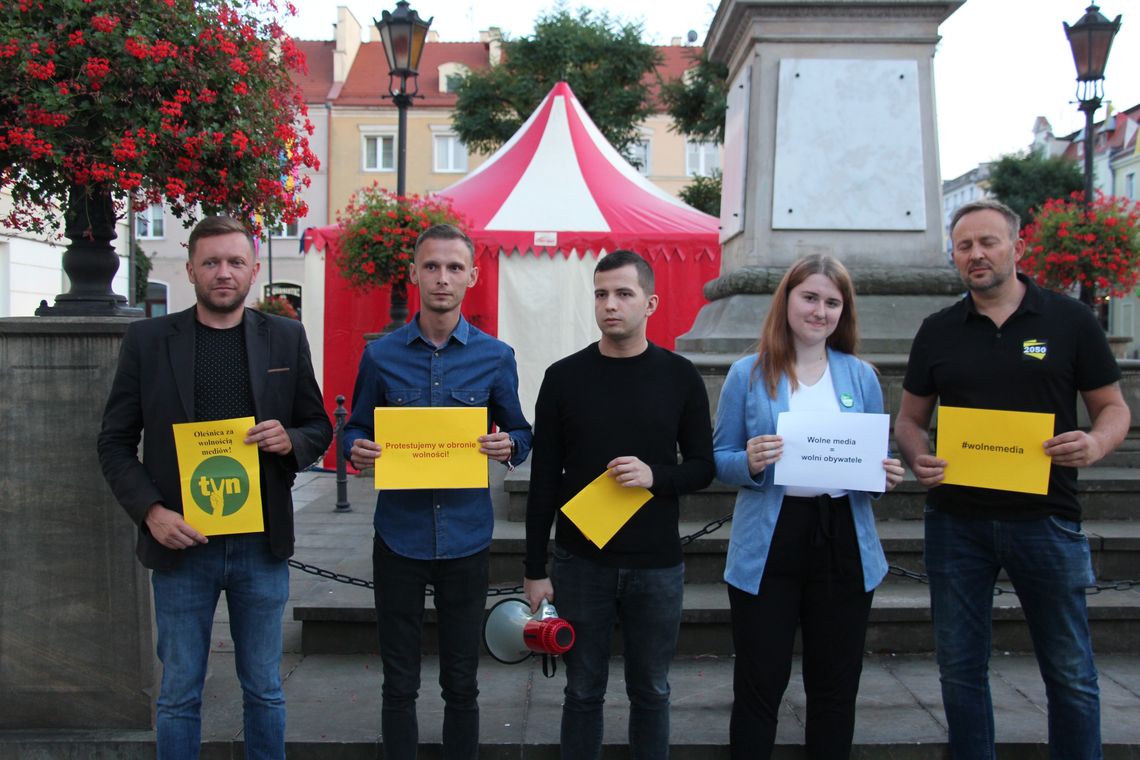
x,y
987,448
221,477
430,447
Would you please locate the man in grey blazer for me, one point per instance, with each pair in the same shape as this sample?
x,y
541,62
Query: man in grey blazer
x,y
216,360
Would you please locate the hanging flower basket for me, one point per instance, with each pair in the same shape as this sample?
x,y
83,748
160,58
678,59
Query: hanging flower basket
x,y
1067,246
380,231
278,305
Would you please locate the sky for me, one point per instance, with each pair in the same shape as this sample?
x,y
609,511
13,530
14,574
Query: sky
x,y
1000,64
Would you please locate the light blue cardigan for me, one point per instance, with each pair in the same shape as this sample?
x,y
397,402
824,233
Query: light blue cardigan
x,y
745,410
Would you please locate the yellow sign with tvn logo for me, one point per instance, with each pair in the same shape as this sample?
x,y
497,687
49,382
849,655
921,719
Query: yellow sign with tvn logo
x,y
988,448
221,476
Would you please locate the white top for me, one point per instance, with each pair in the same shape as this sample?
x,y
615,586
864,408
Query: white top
x,y
819,397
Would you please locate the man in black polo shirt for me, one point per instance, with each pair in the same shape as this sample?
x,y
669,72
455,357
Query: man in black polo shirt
x,y
1009,345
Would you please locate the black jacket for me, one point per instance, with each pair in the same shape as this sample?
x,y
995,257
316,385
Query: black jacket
x,y
154,388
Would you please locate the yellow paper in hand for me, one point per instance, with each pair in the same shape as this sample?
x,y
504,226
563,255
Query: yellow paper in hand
x,y
601,508
1002,450
430,447
221,477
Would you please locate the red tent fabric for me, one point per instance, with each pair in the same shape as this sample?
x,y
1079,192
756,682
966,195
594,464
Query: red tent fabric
x,y
557,187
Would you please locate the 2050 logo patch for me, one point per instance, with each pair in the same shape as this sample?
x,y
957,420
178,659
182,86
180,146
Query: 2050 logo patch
x,y
1035,349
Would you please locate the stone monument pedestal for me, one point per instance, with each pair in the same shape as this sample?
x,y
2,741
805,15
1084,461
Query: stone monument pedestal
x,y
830,148
76,641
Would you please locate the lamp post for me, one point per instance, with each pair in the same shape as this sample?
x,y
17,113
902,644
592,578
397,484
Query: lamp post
x,y
403,34
1090,38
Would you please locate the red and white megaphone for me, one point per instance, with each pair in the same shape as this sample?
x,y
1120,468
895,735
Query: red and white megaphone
x,y
512,634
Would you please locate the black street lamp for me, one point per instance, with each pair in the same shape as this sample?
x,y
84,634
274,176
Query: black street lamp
x,y
403,34
1090,38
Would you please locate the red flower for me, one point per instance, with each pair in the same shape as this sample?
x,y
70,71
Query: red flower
x,y
105,23
1065,244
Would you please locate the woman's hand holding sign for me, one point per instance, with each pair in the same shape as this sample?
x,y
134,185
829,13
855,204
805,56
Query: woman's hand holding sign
x,y
894,470
762,451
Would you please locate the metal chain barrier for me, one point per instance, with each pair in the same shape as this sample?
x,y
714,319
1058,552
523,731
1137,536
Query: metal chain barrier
x,y
1128,585
713,526
351,581
491,592
710,527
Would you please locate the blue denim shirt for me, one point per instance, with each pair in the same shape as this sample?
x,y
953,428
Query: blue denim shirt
x,y
405,369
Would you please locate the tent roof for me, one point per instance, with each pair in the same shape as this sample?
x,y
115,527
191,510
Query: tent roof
x,y
558,185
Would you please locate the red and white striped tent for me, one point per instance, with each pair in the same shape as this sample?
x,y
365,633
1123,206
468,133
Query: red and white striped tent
x,y
541,210
555,197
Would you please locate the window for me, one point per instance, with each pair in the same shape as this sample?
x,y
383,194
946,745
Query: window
x,y
638,155
701,158
451,75
450,154
149,222
1130,186
290,230
155,303
379,153
290,291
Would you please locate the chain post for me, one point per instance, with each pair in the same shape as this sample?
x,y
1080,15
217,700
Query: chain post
x,y
341,415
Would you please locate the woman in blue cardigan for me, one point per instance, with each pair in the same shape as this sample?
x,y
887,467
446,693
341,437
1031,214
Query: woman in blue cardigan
x,y
803,556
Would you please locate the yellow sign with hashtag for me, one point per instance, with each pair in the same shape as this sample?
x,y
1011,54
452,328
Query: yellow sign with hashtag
x,y
987,448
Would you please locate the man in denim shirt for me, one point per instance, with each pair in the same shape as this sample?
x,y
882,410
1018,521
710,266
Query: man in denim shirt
x,y
437,537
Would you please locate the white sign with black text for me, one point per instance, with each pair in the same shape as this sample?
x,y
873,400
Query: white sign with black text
x,y
833,450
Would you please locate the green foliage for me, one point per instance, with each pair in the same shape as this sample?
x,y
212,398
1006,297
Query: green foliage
x,y
703,193
604,62
698,105
142,264
1025,182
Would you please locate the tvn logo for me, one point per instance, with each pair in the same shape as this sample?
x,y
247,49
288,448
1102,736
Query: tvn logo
x,y
1035,349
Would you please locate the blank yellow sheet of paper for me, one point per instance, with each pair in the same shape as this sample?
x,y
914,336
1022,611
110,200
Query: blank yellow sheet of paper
x,y
601,508
430,447
995,449
221,477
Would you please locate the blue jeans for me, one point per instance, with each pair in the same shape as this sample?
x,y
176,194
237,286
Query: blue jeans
x,y
257,586
1048,562
647,603
460,587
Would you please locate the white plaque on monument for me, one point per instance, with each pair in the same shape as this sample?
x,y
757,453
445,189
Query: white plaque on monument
x,y
735,155
848,146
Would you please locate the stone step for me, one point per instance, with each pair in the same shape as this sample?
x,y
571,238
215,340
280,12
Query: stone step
x,y
340,619
334,712
1115,546
1106,493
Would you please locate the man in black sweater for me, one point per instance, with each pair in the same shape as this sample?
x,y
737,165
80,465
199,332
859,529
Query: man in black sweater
x,y
622,406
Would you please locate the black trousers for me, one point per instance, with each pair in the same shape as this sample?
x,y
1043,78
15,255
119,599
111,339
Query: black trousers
x,y
813,579
460,596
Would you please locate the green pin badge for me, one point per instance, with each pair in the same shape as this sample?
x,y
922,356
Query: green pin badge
x,y
847,400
